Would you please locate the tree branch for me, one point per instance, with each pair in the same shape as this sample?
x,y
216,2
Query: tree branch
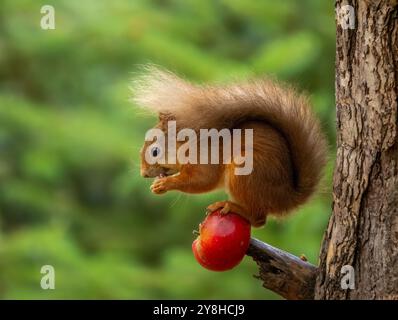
x,y
282,272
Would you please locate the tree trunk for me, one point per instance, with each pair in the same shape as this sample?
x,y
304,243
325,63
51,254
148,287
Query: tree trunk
x,y
363,229
359,254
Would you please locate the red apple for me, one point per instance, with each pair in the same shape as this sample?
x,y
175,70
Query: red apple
x,y
222,242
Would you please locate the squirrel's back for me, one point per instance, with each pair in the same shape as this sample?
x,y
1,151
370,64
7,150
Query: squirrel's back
x,y
229,106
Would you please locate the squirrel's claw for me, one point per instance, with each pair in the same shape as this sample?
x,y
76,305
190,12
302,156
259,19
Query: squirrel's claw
x,y
225,209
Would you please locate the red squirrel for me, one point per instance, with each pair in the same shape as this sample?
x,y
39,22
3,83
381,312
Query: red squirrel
x,y
289,148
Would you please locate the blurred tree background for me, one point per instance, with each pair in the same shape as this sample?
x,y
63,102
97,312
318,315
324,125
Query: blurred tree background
x,y
70,191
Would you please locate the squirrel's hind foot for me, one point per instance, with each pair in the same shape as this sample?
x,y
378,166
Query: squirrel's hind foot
x,y
227,206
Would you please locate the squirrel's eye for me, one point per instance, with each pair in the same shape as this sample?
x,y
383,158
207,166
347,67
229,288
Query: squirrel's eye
x,y
155,152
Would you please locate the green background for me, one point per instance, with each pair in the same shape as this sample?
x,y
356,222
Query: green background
x,y
70,191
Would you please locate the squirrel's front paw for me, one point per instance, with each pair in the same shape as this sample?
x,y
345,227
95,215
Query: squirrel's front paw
x,y
160,186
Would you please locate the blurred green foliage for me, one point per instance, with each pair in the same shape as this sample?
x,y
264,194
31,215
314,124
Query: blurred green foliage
x,y
70,191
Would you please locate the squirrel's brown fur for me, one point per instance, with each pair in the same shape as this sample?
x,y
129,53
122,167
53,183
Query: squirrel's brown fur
x,y
289,147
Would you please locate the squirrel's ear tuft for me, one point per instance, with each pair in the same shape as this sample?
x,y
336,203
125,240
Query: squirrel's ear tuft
x,y
166,116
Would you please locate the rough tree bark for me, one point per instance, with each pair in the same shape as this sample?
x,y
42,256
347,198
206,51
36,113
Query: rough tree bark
x,y
363,228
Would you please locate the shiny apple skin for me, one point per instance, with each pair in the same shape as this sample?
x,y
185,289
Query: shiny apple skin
x,y
222,242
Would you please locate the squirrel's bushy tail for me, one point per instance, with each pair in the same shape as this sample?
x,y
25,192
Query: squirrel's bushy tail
x,y
219,106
